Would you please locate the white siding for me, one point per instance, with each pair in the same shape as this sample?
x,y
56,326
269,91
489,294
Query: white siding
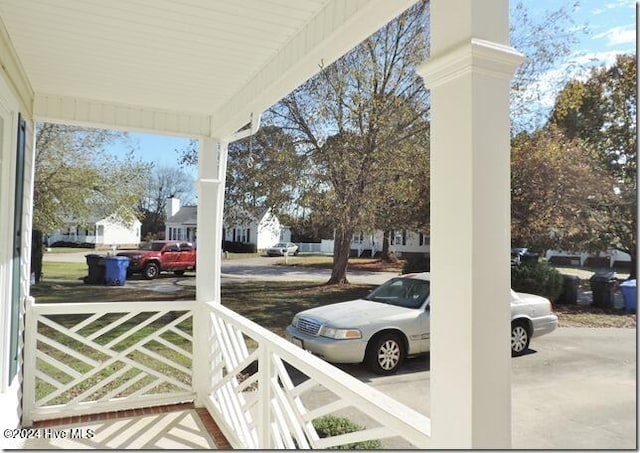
x,y
11,83
119,234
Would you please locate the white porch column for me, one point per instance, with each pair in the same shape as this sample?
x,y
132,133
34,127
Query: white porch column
x,y
212,163
212,166
468,74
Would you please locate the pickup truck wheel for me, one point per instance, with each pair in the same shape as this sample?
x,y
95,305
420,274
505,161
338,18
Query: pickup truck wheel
x,y
179,273
385,353
151,271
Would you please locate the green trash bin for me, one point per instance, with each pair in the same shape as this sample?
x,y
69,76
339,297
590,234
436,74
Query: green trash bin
x,y
603,285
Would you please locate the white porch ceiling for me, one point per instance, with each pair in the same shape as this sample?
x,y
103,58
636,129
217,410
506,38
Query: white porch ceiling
x,y
201,57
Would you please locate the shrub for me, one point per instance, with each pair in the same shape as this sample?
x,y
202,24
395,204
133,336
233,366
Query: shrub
x,y
329,426
537,278
238,247
416,263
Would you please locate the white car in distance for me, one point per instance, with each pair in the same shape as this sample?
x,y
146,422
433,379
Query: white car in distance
x,y
282,248
392,323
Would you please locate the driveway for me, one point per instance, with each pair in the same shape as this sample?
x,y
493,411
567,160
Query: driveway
x,y
576,389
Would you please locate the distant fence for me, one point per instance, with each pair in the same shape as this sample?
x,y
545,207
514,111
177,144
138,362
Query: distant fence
x,y
326,246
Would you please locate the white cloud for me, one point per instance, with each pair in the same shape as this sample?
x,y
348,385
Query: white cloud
x,y
618,35
619,4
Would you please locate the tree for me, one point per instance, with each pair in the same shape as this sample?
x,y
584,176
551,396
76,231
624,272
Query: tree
x,y
162,183
556,191
546,41
404,195
351,121
77,179
264,171
602,112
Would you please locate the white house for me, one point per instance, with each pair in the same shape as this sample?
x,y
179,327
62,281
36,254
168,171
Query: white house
x,y
104,232
263,229
609,258
185,69
401,242
181,223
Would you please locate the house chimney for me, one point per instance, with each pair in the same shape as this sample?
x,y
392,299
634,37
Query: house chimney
x,y
173,206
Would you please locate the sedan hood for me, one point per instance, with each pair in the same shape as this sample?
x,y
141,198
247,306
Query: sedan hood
x,y
355,313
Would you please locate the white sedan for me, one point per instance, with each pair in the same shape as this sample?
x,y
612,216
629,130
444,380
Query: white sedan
x,y
281,248
392,323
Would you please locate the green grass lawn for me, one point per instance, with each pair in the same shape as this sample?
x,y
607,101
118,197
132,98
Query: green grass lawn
x,y
53,270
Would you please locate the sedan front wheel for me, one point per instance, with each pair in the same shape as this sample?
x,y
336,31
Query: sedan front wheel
x,y
385,354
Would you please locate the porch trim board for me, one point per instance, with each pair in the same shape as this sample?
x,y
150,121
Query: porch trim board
x,y
15,73
113,115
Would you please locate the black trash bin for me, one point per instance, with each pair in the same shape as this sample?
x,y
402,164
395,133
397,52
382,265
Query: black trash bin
x,y
602,288
97,269
569,293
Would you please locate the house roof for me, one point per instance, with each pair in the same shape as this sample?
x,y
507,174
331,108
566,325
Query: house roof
x,y
193,67
187,215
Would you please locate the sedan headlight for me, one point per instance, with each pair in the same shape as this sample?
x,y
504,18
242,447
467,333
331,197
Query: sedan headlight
x,y
294,322
340,334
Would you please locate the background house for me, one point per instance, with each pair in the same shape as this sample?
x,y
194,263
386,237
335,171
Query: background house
x,y
263,230
102,233
610,258
182,221
403,243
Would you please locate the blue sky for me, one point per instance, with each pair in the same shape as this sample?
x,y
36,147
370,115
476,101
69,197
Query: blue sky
x,y
611,30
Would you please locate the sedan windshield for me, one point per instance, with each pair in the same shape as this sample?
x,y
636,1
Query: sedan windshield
x,y
403,292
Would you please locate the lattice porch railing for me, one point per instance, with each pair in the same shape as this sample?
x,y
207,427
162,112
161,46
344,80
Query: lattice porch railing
x,y
266,393
91,357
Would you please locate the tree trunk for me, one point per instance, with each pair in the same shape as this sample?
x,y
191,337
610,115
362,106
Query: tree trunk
x,y
386,246
36,254
386,235
341,249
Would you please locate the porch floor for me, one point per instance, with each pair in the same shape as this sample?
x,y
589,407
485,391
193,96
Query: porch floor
x,y
175,427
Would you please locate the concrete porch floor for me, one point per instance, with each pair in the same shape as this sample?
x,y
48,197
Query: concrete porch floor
x,y
174,427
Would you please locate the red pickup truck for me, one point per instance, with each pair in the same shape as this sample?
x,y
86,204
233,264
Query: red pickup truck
x,y
154,257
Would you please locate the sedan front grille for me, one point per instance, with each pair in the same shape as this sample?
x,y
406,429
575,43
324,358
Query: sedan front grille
x,y
308,326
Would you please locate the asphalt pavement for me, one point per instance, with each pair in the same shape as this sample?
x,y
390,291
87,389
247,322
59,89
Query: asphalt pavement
x,y
574,389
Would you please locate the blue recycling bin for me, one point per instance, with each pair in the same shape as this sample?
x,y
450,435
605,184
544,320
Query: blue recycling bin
x,y
630,295
116,270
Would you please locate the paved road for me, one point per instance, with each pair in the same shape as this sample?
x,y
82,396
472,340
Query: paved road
x,y
264,268
576,389
255,268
